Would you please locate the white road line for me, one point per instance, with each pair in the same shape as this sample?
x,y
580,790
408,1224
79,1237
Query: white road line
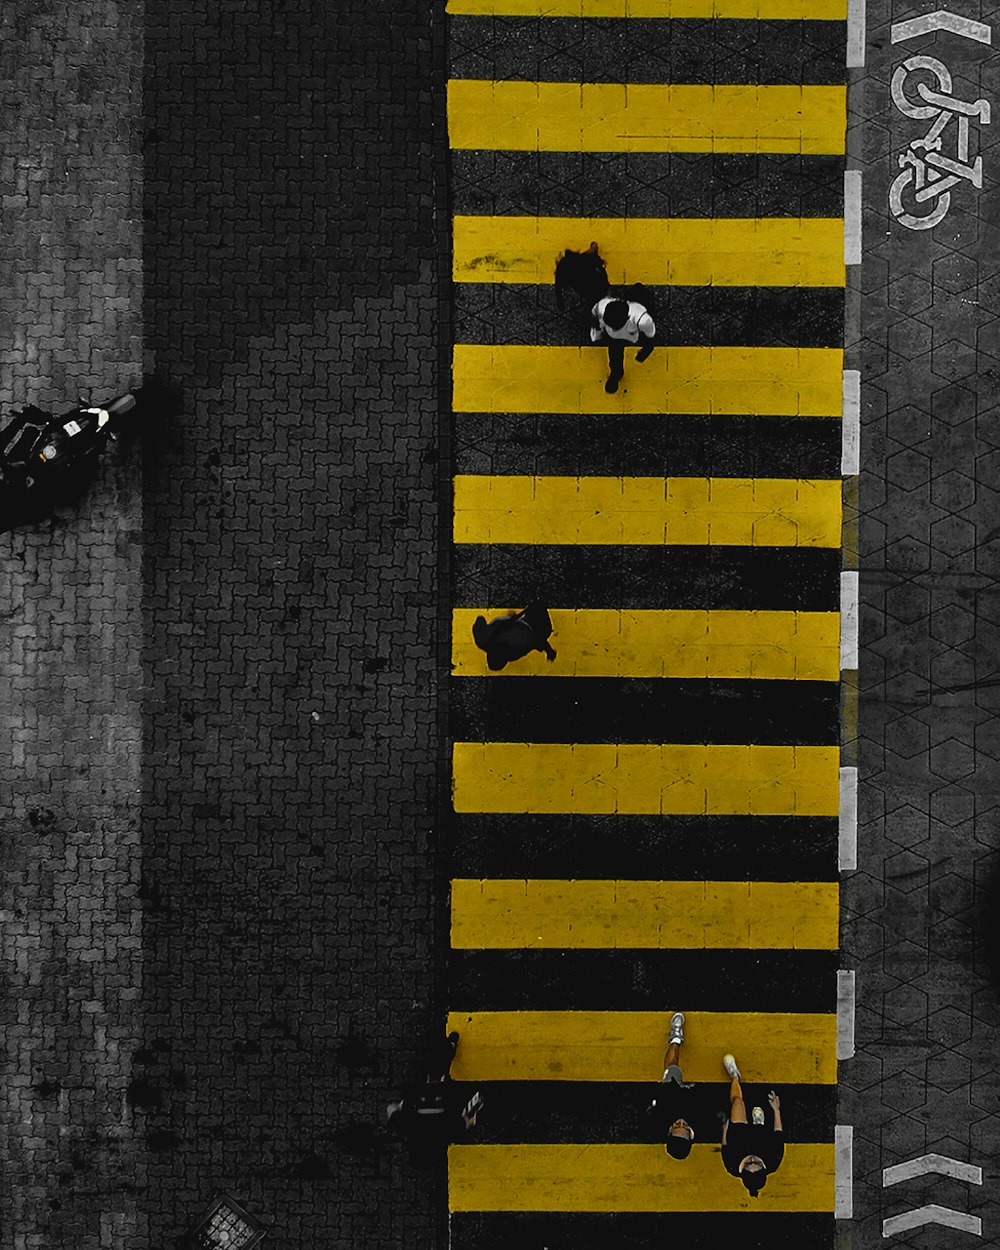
x,y
848,621
932,1214
850,436
852,217
845,1016
941,20
942,1164
855,33
848,850
843,1201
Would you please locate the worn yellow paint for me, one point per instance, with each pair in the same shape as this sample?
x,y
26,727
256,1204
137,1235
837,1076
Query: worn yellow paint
x,y
762,10
630,1178
676,251
631,117
612,642
780,1048
645,779
653,915
690,511
778,381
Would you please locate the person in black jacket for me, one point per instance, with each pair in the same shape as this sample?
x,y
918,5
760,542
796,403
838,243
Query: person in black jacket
x,y
750,1151
670,1106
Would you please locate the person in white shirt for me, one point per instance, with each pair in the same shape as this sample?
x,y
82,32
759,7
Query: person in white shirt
x,y
620,322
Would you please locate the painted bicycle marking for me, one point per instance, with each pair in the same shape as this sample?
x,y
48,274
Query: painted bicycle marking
x,y
920,195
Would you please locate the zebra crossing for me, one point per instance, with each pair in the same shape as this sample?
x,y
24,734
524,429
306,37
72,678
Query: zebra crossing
x,y
649,824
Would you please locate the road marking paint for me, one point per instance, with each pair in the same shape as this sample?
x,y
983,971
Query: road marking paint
x,y
645,779
845,1015
932,1214
784,1048
944,1165
761,10
843,1139
594,642
848,824
849,621
852,217
941,19
775,381
637,915
678,251
855,33
628,1178
630,117
850,455
759,512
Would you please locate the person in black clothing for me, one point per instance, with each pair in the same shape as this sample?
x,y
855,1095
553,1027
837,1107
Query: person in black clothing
x,y
432,1114
511,637
670,1101
750,1151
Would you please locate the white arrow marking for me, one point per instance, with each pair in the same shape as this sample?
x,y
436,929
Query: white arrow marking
x,y
932,1163
942,20
932,1214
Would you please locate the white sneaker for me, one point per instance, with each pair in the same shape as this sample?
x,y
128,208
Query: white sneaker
x,y
729,1063
676,1028
758,1115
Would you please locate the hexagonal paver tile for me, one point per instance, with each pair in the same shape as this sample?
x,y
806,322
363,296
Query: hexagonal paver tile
x,y
952,760
952,536
903,1092
910,338
907,603
908,469
953,490
907,827
953,404
955,273
907,871
949,1026
953,360
952,624
910,294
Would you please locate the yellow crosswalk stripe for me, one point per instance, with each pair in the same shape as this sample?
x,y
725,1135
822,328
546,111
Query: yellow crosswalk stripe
x,y
644,915
722,511
782,1048
762,10
777,381
677,251
630,1178
620,117
645,779
611,642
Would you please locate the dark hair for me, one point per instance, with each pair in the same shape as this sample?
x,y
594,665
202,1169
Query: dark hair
x,y
616,314
754,1181
678,1147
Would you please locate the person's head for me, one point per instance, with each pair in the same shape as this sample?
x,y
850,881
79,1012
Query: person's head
x,y
680,1135
753,1174
615,314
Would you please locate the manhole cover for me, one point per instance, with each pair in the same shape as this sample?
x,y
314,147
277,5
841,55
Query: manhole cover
x,y
226,1226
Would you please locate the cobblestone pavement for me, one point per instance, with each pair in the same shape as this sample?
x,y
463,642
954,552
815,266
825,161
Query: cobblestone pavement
x,y
70,637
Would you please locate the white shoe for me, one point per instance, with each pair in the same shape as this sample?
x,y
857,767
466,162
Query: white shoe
x,y
676,1028
729,1063
758,1115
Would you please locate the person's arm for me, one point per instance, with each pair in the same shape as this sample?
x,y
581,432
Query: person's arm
x,y
647,330
598,329
775,1102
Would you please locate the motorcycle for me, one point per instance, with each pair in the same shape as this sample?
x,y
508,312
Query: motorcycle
x,y
40,452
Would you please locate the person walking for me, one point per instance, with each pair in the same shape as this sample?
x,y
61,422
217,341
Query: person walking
x,y
750,1151
619,322
667,1107
512,637
432,1114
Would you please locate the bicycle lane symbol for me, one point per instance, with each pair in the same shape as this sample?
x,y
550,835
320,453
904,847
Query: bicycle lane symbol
x,y
920,195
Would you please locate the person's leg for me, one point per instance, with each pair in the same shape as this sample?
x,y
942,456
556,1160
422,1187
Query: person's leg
x,y
616,361
737,1107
